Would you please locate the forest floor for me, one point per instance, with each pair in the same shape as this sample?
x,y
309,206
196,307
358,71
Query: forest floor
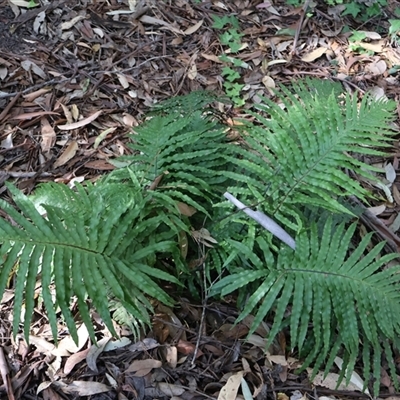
x,y
75,78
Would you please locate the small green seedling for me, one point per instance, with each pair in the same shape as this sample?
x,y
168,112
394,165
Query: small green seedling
x,y
32,4
232,39
356,43
394,30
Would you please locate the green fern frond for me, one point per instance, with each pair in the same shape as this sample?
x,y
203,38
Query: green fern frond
x,y
186,151
123,314
78,252
298,156
346,299
187,104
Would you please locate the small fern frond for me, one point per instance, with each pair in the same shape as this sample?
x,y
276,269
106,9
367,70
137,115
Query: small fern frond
x,y
125,315
187,104
350,297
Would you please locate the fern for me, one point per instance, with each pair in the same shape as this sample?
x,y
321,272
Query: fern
x,y
85,253
180,156
112,242
299,155
199,100
345,299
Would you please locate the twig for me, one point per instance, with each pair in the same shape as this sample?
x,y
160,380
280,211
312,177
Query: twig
x,y
9,106
298,30
4,95
15,174
203,313
376,225
5,375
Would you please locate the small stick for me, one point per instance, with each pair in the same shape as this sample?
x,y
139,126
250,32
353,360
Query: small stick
x,y
298,30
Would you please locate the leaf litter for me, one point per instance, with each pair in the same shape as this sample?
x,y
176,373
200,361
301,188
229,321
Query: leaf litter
x,y
74,79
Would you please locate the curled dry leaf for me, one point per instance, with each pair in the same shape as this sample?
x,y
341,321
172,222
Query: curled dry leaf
x,y
313,55
37,93
80,123
102,136
3,72
83,388
193,28
94,353
68,153
192,73
230,389
48,136
378,209
74,359
69,24
376,68
143,367
171,356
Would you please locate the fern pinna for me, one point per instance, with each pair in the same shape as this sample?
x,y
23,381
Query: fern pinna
x,y
114,241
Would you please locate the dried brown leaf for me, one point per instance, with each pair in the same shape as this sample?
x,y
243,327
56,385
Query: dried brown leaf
x,y
146,19
185,209
33,115
170,390
37,93
83,388
68,153
211,57
74,359
193,28
101,165
31,66
375,47
230,389
143,367
94,353
313,55
171,356
48,135
376,68
69,24
80,123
